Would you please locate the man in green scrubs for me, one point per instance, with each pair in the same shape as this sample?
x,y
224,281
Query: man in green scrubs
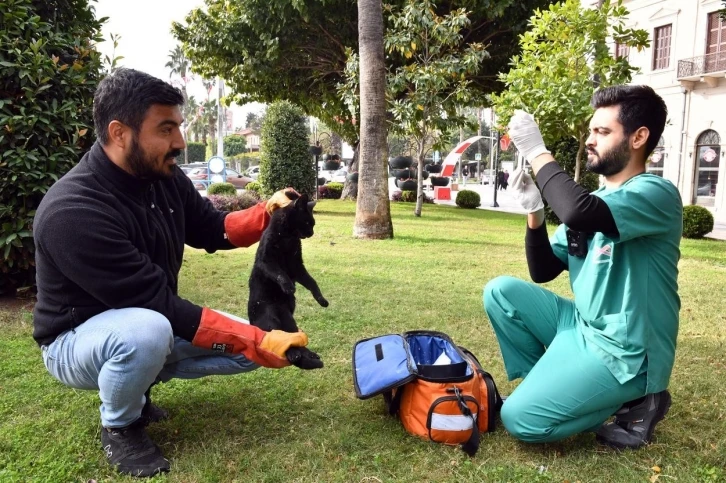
x,y
610,351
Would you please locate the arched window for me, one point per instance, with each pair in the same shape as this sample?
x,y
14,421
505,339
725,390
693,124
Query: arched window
x,y
657,159
708,159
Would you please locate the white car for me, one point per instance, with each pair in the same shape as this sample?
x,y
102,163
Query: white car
x,y
339,175
253,172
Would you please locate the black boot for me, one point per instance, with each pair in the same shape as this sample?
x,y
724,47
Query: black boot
x,y
634,423
132,452
151,413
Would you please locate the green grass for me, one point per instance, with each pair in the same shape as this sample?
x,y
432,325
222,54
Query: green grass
x,y
290,425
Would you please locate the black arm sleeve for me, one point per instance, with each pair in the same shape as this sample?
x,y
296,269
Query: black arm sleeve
x,y
573,205
544,265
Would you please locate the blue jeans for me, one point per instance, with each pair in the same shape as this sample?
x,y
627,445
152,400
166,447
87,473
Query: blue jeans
x,y
121,353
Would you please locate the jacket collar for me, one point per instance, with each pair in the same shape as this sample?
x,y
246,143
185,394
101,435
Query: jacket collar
x,y
100,164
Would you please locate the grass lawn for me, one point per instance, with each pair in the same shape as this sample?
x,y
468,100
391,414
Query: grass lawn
x,y
290,425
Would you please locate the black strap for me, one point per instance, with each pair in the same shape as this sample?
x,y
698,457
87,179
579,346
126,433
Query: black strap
x,y
498,401
393,403
471,446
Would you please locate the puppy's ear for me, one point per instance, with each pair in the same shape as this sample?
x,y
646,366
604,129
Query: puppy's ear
x,y
292,195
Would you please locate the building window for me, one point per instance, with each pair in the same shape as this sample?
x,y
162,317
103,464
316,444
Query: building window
x,y
657,159
715,43
708,152
662,47
621,51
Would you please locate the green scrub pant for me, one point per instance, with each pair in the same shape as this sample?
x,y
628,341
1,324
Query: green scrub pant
x,y
567,389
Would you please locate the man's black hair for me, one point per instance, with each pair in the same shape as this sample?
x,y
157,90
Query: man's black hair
x,y
640,107
126,95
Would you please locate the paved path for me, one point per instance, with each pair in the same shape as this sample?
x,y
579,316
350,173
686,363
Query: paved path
x,y
509,205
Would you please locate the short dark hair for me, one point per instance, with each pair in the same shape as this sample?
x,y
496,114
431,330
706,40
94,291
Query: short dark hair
x,y
125,95
640,107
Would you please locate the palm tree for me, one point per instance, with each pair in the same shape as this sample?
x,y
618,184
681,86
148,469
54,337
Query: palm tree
x,y
209,119
373,209
179,64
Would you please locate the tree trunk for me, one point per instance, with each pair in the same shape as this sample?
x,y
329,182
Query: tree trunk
x,y
336,144
373,209
350,190
419,183
578,161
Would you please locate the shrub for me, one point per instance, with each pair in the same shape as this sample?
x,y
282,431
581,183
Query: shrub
x,y
565,152
330,191
284,158
221,189
253,186
49,70
238,202
468,199
196,152
233,145
409,197
697,221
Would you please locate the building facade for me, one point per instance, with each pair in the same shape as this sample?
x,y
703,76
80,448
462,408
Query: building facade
x,y
686,65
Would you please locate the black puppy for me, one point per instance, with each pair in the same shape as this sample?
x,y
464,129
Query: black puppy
x,y
278,265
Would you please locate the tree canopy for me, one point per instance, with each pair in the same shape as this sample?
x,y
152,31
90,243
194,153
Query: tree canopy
x,y
296,51
563,52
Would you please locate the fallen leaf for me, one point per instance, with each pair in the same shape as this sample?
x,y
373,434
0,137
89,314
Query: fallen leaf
x,y
656,469
654,478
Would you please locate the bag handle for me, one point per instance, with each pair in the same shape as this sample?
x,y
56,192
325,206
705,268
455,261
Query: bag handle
x,y
471,446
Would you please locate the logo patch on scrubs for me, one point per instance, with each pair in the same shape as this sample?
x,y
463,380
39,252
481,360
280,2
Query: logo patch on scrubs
x,y
607,251
603,254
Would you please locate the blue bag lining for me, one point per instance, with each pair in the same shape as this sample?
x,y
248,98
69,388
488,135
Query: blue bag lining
x,y
425,349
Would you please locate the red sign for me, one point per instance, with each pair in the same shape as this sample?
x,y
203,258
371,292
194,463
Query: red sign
x,y
504,142
709,155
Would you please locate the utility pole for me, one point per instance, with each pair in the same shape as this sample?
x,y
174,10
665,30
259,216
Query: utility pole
x,y
221,119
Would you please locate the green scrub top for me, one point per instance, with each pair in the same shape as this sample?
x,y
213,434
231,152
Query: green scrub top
x,y
626,287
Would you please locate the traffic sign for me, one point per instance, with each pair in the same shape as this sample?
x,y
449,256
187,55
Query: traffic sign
x,y
477,156
504,142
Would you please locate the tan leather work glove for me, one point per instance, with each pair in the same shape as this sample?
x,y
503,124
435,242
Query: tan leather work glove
x,y
281,199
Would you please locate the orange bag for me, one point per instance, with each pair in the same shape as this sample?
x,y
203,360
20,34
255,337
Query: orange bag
x,y
445,396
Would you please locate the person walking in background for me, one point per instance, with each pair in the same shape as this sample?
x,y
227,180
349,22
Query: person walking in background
x,y
465,173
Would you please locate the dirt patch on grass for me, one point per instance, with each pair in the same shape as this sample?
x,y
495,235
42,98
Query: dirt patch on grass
x,y
16,304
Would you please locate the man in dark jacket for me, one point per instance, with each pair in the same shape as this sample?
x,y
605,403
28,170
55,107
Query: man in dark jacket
x,y
109,239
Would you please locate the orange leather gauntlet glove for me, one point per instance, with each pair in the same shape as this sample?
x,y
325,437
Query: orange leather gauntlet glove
x,y
244,228
267,349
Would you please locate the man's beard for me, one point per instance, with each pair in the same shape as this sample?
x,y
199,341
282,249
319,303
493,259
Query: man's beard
x,y
610,162
143,166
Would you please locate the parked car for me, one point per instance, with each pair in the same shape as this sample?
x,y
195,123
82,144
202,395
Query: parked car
x,y
339,176
200,174
187,168
253,172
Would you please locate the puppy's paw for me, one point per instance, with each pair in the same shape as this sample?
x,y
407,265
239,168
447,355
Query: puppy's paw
x,y
322,301
303,358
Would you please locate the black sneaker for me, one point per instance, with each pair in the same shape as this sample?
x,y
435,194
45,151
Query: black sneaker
x,y
132,452
151,413
634,425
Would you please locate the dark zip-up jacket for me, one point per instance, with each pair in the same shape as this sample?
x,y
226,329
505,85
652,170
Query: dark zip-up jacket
x,y
106,240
